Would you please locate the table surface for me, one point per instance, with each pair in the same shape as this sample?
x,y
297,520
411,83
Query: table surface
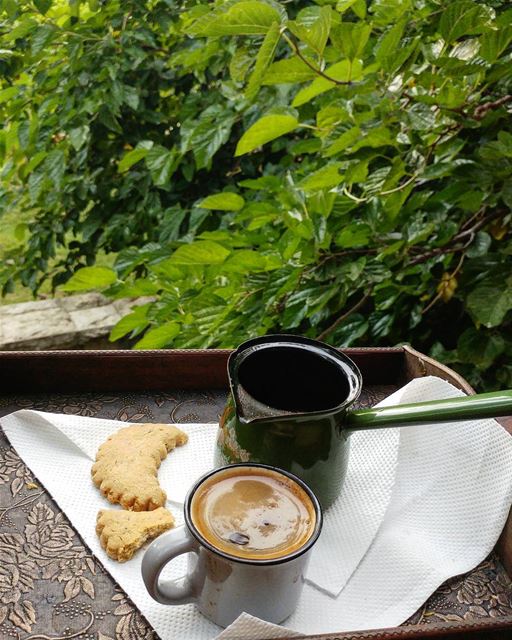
x,y
52,587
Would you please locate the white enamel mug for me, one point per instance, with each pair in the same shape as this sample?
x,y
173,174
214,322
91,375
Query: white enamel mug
x,y
222,585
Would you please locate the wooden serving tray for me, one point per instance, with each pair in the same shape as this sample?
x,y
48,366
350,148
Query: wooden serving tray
x,y
50,584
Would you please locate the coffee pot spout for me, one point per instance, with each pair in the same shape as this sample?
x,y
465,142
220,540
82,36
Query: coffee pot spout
x,y
249,409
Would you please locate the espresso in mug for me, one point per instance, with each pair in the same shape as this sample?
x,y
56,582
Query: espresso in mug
x,y
253,513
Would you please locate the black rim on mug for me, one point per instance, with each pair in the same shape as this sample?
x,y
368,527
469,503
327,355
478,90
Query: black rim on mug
x,y
251,465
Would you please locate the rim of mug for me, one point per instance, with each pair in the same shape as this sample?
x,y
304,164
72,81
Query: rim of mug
x,y
270,561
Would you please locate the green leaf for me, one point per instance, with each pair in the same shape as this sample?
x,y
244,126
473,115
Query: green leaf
x,y
139,287
494,43
480,245
206,136
324,178
357,172
264,130
349,331
328,117
378,137
36,183
55,166
389,11
90,278
78,136
314,34
240,63
479,347
343,71
108,118
245,17
359,8
263,59
350,38
226,201
347,139
344,5
245,261
354,235
506,194
202,252
131,97
135,321
209,311
388,44
8,94
42,37
161,163
21,30
489,303
393,203
159,337
10,7
43,5
74,8
133,156
289,70
464,18
20,231
270,183
380,324
375,181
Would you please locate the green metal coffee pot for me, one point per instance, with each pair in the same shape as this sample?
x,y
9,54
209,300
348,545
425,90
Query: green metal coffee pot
x,y
289,407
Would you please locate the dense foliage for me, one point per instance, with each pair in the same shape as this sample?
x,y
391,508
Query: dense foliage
x,y
340,169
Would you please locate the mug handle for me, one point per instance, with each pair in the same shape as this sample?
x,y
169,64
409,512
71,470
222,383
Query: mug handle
x,y
159,553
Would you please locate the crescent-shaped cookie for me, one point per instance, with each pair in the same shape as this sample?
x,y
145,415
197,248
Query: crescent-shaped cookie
x,y
123,532
127,463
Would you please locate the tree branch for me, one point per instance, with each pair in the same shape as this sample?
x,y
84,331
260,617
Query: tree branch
x,y
343,317
293,44
480,224
462,235
481,111
340,254
440,251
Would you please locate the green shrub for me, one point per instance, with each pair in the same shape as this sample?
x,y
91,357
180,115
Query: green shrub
x,y
337,169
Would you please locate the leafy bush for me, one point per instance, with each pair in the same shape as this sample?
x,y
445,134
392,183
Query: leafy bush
x,y
93,96
337,169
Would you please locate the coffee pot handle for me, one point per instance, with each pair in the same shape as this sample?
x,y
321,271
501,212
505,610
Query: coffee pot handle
x,y
483,405
166,547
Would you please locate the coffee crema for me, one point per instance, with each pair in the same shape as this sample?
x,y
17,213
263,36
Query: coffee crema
x,y
253,513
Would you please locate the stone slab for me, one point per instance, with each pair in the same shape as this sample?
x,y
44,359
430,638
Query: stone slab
x,y
36,325
73,322
26,307
95,321
82,301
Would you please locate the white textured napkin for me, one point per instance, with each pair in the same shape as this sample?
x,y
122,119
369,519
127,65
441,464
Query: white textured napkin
x,y
389,540
247,627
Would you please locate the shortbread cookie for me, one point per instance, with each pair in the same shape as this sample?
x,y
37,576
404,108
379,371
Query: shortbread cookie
x,y
123,532
127,463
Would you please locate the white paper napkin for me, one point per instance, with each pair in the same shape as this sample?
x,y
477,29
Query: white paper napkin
x,y
350,524
247,627
441,516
